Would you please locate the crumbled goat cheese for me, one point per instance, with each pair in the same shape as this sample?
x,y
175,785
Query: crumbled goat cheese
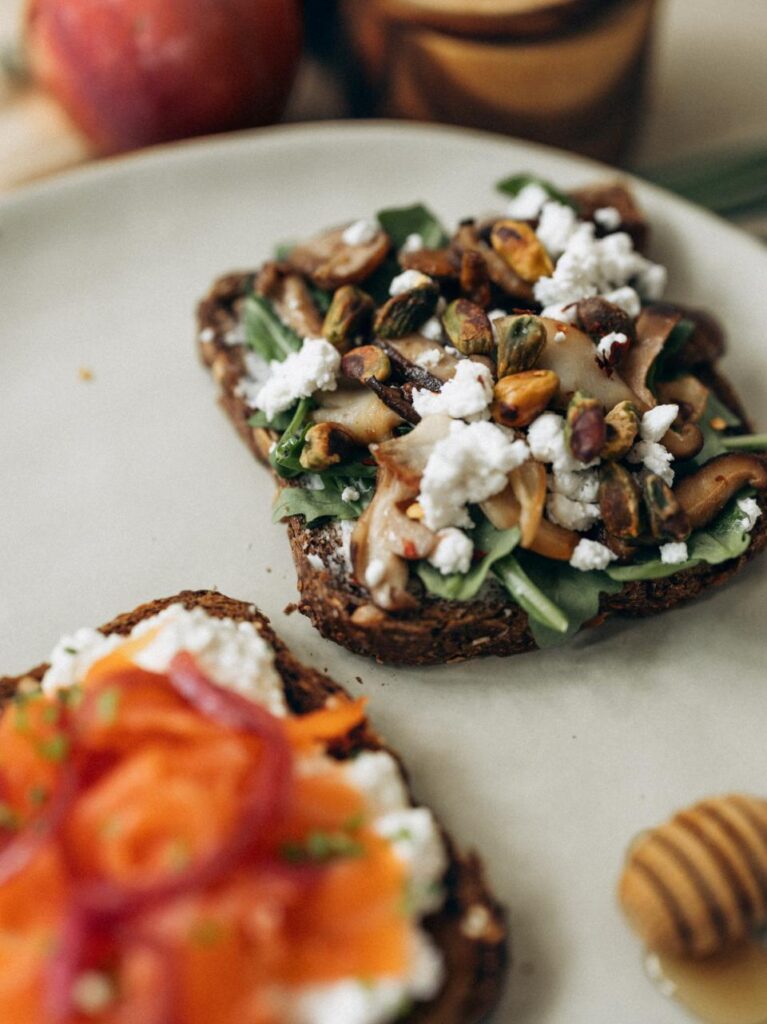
x,y
452,552
588,265
573,515
207,334
375,573
626,299
350,493
469,465
415,838
313,482
407,281
546,437
346,530
361,232
527,203
429,358
560,336
654,457
466,396
432,330
578,486
496,314
315,562
379,777
608,217
313,368
234,654
674,553
656,422
413,243
590,554
256,374
751,512
605,346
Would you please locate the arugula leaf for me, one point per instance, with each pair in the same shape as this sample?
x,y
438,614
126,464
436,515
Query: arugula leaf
x,y
675,342
280,422
745,443
725,538
460,586
575,593
399,222
513,186
283,250
322,298
265,333
285,454
325,503
714,441
539,608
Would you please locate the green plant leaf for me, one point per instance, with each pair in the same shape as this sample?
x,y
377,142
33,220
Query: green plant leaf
x,y
675,342
326,503
745,443
285,454
713,440
576,594
513,186
280,422
399,222
725,538
540,609
265,333
494,544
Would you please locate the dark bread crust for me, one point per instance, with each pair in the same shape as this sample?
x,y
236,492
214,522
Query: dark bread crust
x,y
476,956
441,631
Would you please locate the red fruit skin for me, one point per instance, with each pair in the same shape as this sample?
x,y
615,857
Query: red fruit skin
x,y
132,73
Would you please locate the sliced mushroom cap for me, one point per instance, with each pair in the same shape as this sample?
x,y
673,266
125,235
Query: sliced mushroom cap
x,y
385,538
292,300
436,263
704,494
552,541
633,221
706,344
500,273
528,484
361,412
689,393
406,456
653,327
683,441
331,262
574,362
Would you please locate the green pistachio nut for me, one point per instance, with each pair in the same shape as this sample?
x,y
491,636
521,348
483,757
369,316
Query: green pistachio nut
x,y
668,520
621,428
349,316
585,431
469,328
620,502
405,313
365,363
325,445
519,342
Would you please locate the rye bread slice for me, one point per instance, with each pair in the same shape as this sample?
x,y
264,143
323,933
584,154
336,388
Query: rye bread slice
x,y
439,631
470,928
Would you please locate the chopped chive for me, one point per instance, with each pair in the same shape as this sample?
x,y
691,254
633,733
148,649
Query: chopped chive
x,y
56,748
70,650
107,704
745,442
321,847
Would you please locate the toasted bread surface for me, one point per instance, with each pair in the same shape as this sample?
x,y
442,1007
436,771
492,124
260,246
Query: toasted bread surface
x,y
439,631
470,928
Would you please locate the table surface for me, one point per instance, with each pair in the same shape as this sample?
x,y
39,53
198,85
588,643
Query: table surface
x,y
708,85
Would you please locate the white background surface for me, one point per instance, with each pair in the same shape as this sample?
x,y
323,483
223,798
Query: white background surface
x,y
134,485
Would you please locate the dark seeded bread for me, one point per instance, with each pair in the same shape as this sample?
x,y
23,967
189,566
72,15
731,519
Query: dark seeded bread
x,y
439,631
470,929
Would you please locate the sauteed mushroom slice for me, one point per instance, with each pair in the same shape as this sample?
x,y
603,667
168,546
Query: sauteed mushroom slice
x,y
653,327
292,300
361,412
633,222
504,512
704,494
683,441
502,275
331,262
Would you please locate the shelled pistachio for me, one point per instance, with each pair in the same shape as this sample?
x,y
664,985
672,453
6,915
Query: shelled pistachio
x,y
365,362
349,316
468,328
521,249
402,314
667,518
621,429
520,397
519,342
585,431
620,501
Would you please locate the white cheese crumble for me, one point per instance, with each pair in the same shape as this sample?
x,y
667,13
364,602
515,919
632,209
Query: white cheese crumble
x,y
315,562
350,493
656,422
580,485
413,243
627,299
429,358
313,368
432,329
654,457
587,265
608,217
379,778
469,465
527,203
207,334
375,573
407,281
546,437
415,838
590,554
572,515
93,992
606,344
751,512
452,552
465,396
674,553
233,654
559,337
361,232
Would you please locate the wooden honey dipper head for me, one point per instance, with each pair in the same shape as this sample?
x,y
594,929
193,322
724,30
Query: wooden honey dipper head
x,y
698,883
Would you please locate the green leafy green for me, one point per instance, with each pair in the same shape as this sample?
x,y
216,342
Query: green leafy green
x,y
529,597
283,250
265,333
399,222
513,186
714,441
326,502
725,538
279,422
321,297
320,847
745,443
285,454
464,586
675,342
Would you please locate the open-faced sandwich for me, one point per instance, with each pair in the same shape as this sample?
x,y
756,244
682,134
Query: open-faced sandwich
x,y
485,441
196,828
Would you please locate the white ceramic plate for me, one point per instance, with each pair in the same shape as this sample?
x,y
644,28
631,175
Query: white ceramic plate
x,y
133,485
